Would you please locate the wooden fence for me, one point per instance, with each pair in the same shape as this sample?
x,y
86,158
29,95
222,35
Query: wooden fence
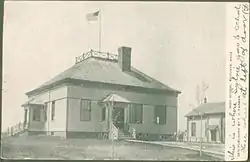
x,y
14,130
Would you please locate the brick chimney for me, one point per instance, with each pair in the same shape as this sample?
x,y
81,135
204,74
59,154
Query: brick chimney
x,y
205,99
124,58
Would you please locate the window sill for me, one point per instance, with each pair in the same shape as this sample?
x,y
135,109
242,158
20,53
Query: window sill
x,y
134,123
160,124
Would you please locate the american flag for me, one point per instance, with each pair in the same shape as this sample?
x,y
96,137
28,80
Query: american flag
x,y
92,16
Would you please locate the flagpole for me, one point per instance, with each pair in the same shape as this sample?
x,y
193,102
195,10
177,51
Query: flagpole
x,y
100,30
88,35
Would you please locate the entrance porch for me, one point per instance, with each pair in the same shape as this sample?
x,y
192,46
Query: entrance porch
x,y
118,116
213,133
35,115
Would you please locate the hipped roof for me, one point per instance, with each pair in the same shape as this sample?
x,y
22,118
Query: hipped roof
x,y
106,71
208,108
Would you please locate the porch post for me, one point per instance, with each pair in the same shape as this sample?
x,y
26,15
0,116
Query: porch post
x,y
218,134
221,129
26,117
209,135
110,120
207,130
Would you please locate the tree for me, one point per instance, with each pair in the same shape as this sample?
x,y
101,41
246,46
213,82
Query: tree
x,y
198,95
201,92
204,89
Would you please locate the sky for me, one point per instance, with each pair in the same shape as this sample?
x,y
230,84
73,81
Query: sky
x,y
180,44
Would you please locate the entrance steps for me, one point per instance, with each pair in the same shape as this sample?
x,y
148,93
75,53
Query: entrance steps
x,y
123,136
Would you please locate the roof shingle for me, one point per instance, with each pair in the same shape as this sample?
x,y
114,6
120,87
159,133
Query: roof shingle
x,y
107,71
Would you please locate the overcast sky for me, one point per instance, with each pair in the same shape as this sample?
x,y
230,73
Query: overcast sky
x,y
180,44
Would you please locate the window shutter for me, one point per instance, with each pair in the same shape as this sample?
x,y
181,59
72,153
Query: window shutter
x,y
163,115
160,111
103,113
139,113
130,113
81,110
155,114
45,111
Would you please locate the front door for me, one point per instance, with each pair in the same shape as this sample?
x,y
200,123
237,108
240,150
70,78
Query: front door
x,y
213,135
118,117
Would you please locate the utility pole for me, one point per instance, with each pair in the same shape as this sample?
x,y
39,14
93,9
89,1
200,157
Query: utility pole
x,y
200,114
200,96
204,88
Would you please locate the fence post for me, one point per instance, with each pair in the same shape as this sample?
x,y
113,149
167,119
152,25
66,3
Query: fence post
x,y
15,128
22,127
19,127
8,131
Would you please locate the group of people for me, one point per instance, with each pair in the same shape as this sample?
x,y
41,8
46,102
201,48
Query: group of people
x,y
180,136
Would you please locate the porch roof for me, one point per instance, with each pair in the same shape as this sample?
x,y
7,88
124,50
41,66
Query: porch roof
x,y
33,101
115,98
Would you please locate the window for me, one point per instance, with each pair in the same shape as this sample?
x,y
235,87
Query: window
x,y
135,113
85,110
36,114
53,109
103,113
193,129
160,113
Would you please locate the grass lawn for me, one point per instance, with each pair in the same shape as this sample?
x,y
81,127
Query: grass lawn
x,y
78,149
